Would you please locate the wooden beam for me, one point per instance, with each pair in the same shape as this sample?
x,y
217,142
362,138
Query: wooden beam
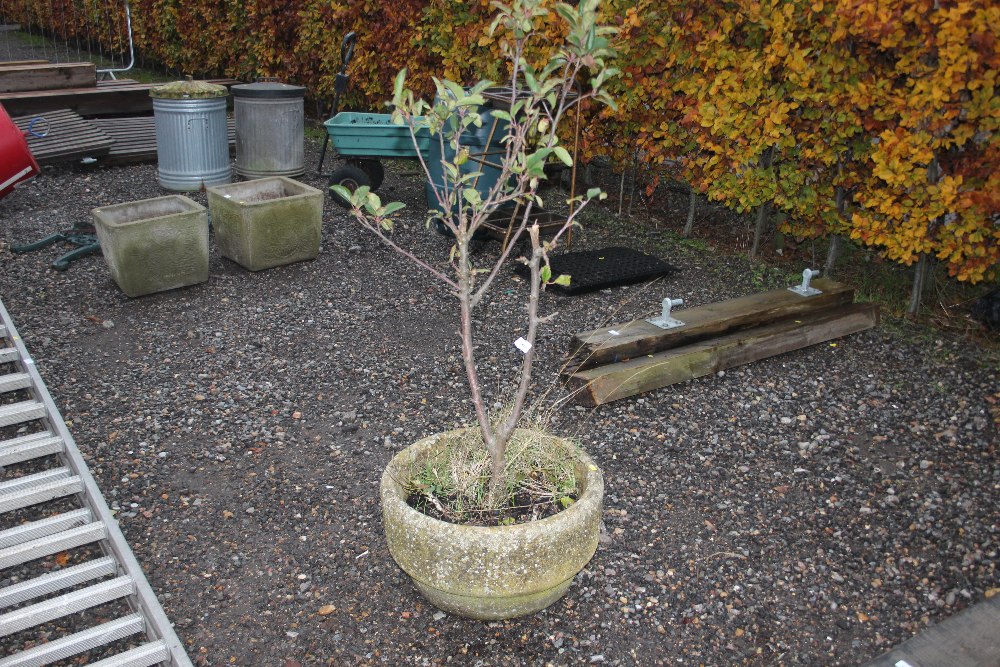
x,y
609,383
639,338
24,78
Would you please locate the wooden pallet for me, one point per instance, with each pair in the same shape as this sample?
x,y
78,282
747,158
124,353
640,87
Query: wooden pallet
x,y
69,137
627,359
107,98
135,138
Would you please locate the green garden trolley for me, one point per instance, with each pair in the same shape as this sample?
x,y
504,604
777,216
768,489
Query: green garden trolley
x,y
363,139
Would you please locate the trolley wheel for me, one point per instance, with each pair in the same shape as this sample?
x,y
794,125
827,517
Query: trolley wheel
x,y
350,177
373,168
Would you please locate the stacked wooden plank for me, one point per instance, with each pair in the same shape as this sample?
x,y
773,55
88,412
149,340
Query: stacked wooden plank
x,y
106,98
45,76
67,137
112,140
627,359
134,139
70,99
11,63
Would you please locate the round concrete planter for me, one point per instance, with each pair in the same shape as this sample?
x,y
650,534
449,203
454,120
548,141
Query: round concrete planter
x,y
490,573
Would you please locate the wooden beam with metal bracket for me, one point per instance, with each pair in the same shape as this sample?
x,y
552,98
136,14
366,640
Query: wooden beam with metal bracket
x,y
627,359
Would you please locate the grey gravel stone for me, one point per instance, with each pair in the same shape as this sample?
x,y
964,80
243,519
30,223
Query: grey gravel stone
x,y
747,514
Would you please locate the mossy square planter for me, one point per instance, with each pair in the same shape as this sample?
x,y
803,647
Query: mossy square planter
x,y
154,245
266,222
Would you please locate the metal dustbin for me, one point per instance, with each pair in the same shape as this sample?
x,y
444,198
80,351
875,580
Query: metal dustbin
x,y
191,144
270,129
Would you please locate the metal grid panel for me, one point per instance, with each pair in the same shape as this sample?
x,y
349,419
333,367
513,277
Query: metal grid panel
x,y
39,539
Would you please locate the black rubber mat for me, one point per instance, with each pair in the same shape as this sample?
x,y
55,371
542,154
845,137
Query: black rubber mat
x,y
986,309
591,270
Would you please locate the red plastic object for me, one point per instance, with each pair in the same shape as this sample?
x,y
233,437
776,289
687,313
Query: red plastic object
x,y
16,161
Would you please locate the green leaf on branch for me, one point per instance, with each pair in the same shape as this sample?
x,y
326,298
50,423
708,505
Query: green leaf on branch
x,y
456,90
397,87
563,155
392,207
342,192
562,280
546,273
472,196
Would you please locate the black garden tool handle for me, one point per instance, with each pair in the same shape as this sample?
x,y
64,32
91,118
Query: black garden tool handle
x,y
339,86
347,51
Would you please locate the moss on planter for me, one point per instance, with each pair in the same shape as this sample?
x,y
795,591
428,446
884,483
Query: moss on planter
x,y
266,222
154,245
490,572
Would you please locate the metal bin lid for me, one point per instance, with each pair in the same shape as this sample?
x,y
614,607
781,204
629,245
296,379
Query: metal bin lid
x,y
268,89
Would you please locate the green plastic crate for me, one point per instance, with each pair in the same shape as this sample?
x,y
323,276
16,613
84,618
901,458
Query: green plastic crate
x,y
373,135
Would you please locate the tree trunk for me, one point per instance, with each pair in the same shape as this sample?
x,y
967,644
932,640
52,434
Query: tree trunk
x,y
920,273
763,213
922,270
621,192
833,252
692,202
832,255
635,177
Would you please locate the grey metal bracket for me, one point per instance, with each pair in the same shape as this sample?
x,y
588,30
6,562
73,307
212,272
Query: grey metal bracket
x,y
804,289
665,321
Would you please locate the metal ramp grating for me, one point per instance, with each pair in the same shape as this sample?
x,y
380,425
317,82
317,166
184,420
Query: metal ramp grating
x,y
66,564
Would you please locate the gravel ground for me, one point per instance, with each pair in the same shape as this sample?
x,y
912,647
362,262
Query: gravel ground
x,y
813,508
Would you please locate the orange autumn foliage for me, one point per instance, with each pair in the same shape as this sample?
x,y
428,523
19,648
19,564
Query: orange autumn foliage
x,y
887,105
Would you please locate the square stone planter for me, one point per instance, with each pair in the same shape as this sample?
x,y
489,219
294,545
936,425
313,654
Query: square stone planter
x,y
154,245
266,222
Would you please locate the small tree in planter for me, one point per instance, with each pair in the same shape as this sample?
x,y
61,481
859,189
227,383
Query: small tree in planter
x,y
528,116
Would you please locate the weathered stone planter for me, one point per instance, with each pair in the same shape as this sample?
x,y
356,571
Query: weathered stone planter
x,y
267,222
154,245
495,572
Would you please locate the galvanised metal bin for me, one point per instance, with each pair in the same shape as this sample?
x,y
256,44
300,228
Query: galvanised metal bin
x,y
192,146
270,129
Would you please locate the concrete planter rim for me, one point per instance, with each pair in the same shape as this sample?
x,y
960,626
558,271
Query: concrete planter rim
x,y
593,490
304,190
191,207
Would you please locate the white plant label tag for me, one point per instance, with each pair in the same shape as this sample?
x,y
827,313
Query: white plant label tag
x,y
522,345
612,332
